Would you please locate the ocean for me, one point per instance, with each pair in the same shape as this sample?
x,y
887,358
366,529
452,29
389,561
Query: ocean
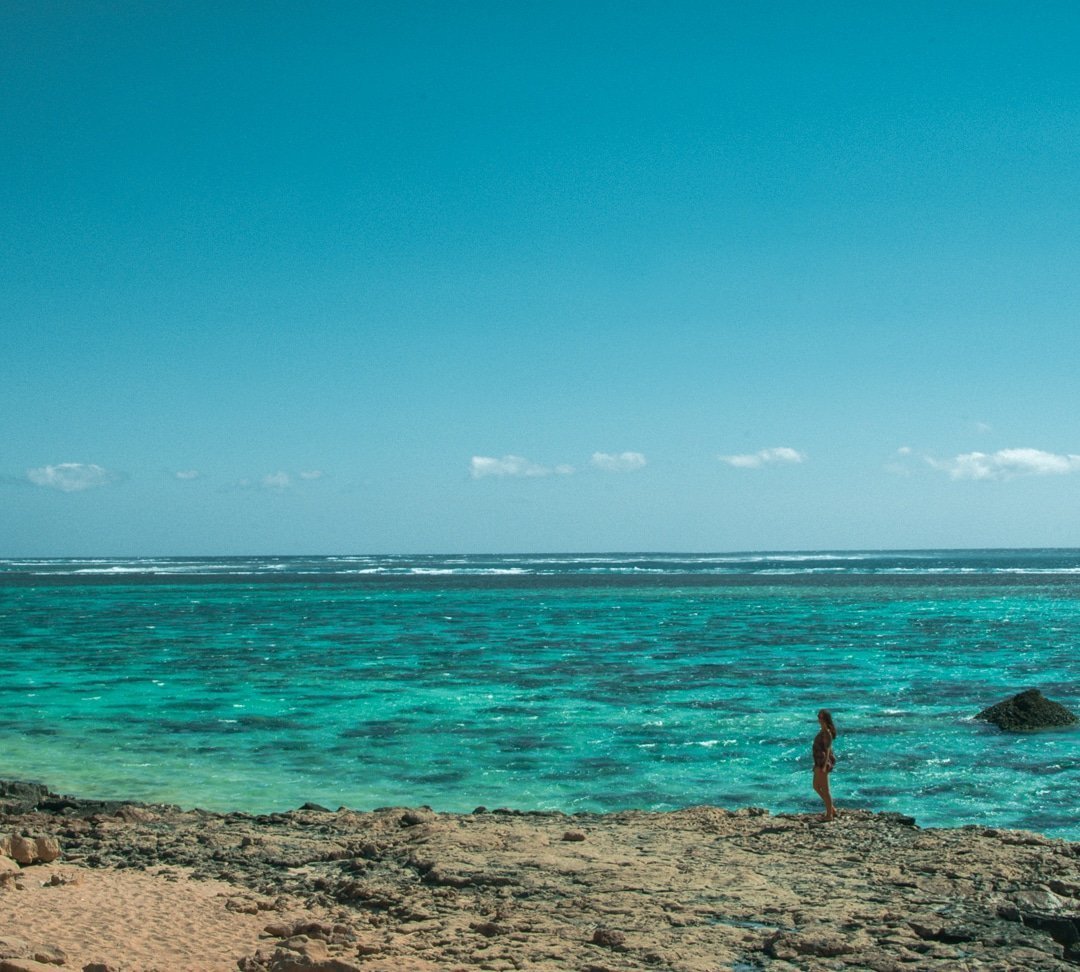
x,y
547,682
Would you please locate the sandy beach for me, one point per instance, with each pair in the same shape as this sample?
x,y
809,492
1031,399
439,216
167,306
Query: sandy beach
x,y
149,887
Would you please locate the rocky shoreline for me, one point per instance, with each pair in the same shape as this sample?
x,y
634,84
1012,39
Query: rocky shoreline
x,y
696,890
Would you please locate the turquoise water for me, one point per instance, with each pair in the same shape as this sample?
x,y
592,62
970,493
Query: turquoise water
x,y
573,683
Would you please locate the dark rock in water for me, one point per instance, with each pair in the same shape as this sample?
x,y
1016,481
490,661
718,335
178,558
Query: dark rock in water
x,y
1028,710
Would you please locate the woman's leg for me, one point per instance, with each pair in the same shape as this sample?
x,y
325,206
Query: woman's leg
x,y
821,787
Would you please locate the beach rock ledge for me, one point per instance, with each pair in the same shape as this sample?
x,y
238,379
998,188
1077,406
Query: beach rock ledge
x,y
402,889
1026,711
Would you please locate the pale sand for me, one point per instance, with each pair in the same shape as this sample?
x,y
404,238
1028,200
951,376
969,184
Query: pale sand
x,y
158,920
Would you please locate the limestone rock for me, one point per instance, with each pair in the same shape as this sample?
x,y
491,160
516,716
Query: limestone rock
x,y
421,815
609,938
17,955
133,813
25,965
1027,710
13,948
309,956
24,849
792,945
48,849
48,954
1037,899
685,891
61,878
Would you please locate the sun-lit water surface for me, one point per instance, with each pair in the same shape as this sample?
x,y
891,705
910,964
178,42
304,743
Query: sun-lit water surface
x,y
573,683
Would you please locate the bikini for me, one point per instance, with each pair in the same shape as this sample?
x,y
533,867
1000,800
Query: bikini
x,y
824,758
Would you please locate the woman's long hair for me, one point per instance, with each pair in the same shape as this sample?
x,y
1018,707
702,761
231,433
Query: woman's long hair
x,y
826,716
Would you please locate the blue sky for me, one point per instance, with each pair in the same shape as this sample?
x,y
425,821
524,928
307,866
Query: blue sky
x,y
407,277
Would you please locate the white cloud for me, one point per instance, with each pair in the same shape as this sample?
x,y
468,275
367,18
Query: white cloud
x,y
280,480
482,466
188,474
70,477
620,462
904,451
755,460
1007,464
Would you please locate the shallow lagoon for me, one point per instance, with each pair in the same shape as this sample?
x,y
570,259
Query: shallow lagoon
x,y
545,683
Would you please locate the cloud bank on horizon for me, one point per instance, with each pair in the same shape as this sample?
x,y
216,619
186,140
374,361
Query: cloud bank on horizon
x,y
622,462
765,457
77,477
512,466
1007,464
482,467
1004,464
70,477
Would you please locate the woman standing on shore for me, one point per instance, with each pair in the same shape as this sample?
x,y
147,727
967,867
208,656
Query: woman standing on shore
x,y
824,760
